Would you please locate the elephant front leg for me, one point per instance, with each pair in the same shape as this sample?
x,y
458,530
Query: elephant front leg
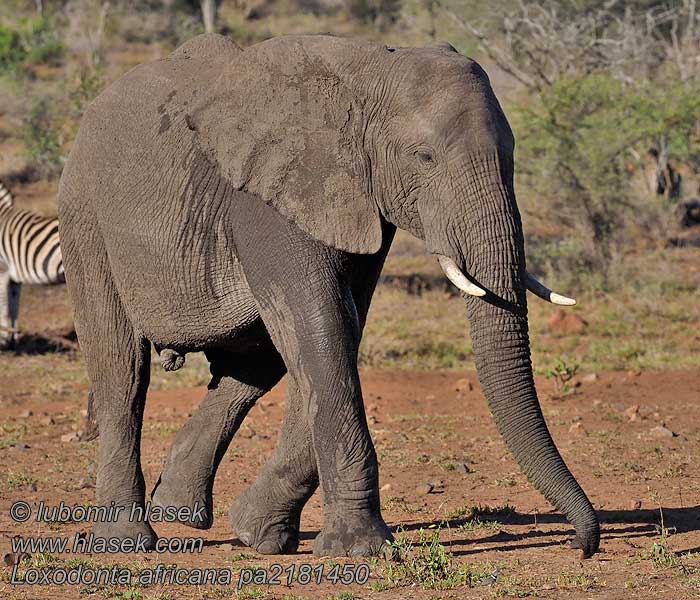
x,y
308,309
238,380
267,515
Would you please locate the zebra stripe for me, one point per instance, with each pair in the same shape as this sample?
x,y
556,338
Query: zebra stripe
x,y
5,195
29,244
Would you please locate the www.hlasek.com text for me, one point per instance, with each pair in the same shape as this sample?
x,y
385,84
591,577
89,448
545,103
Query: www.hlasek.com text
x,y
82,543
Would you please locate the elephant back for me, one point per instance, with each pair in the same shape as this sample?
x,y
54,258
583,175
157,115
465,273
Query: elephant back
x,y
208,46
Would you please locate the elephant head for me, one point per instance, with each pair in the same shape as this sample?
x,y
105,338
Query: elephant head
x,y
339,135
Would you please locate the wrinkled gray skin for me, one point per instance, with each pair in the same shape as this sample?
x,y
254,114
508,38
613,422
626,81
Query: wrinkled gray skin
x,y
242,203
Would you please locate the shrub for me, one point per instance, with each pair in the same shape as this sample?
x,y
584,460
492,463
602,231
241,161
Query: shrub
x,y
32,42
41,135
579,143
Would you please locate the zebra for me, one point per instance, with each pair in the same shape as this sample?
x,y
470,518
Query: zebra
x,y
29,253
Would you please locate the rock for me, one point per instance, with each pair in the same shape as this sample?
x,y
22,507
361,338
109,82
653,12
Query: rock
x,y
462,468
424,489
25,414
47,421
14,558
633,373
385,488
72,436
430,397
662,432
372,420
84,483
635,504
247,433
597,402
632,413
590,378
464,385
227,547
438,485
84,413
578,429
564,322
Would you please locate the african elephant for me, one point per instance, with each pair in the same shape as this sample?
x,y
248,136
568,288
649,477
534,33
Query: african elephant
x,y
242,203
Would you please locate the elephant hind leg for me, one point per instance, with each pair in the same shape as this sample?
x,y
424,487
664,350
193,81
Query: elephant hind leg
x,y
238,380
118,363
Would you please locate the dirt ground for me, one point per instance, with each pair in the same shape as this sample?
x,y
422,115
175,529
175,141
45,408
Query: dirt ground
x,y
427,427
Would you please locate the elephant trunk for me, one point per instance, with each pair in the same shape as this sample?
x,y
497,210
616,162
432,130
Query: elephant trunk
x,y
494,257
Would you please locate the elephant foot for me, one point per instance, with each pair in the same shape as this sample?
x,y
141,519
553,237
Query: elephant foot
x,y
171,491
353,534
140,532
266,529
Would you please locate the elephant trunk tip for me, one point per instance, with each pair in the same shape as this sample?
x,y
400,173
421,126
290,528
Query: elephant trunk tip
x,y
587,539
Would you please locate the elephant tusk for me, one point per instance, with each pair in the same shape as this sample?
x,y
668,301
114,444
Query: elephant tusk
x,y
541,290
455,275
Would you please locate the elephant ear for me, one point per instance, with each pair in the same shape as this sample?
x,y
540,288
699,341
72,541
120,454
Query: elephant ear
x,y
281,125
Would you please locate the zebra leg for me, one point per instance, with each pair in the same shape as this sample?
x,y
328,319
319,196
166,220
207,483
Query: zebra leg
x,y
14,292
238,380
6,323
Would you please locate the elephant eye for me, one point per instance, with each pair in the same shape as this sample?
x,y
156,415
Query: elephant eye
x,y
424,157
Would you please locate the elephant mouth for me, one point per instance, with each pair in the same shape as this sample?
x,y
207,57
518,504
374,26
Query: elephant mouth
x,y
464,284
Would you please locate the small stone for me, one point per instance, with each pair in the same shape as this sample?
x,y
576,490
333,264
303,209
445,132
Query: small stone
x,y
464,385
228,547
11,558
597,402
430,397
635,504
436,487
590,378
632,413
247,433
662,432
577,429
83,413
385,488
424,489
634,373
47,421
372,420
70,437
462,468
25,414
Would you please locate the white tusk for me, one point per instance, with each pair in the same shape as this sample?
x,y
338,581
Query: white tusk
x,y
545,293
455,275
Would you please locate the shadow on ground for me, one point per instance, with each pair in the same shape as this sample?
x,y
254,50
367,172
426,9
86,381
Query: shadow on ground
x,y
32,343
